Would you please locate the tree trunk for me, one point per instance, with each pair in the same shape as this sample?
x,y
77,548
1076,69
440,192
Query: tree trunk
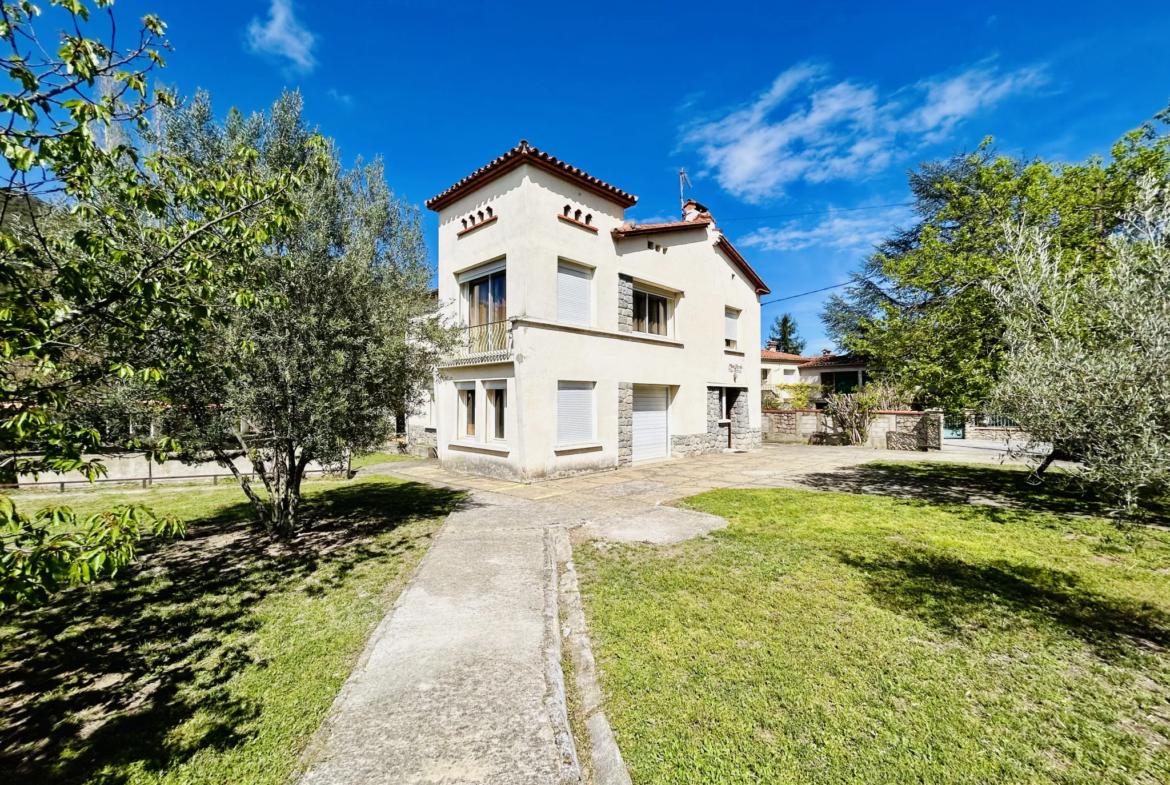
x,y
245,483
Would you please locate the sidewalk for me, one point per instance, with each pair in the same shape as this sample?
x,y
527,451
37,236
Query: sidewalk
x,y
461,683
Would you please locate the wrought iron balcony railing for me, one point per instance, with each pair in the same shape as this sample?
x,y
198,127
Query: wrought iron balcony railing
x,y
482,343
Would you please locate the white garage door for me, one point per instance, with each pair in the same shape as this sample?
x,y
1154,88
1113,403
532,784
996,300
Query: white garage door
x,y
650,435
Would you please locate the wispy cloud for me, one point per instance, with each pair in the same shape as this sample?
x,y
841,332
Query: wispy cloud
x,y
341,98
808,127
840,231
284,36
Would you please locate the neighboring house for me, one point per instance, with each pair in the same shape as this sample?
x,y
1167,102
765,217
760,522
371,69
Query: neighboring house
x,y
835,372
778,369
590,342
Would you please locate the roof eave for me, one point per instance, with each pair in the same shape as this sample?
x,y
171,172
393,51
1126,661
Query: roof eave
x,y
636,232
513,160
725,245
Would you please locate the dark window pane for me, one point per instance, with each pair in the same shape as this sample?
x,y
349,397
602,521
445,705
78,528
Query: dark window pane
x,y
499,411
471,412
499,297
639,312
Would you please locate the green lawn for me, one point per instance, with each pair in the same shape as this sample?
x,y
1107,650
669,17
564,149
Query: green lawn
x,y
215,659
378,457
831,638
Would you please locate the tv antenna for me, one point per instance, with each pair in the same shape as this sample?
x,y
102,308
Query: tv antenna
x,y
683,182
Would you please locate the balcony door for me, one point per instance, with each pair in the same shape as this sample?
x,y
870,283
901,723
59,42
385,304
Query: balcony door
x,y
487,312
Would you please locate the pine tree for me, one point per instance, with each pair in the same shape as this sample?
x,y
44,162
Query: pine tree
x,y
786,335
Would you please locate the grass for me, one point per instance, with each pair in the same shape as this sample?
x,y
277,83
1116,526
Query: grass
x,y
837,638
214,659
378,457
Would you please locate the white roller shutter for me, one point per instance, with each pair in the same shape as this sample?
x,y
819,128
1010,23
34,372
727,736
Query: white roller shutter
x,y
650,431
573,289
574,412
731,325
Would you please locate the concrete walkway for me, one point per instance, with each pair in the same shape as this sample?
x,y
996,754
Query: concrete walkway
x,y
462,683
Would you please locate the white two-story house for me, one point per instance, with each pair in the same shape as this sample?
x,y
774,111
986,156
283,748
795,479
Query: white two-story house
x,y
589,342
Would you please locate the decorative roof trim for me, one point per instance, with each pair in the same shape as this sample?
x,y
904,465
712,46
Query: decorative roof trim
x,y
725,245
524,154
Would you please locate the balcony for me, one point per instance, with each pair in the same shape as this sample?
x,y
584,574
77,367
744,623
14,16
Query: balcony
x,y
480,344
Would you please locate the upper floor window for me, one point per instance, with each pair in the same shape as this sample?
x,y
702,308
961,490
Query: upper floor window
x,y
574,294
487,298
730,328
651,313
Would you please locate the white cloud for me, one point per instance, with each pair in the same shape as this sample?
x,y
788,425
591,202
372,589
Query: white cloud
x,y
282,35
805,127
840,231
341,98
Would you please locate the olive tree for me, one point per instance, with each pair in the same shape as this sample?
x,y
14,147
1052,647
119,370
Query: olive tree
x,y
1087,351
354,329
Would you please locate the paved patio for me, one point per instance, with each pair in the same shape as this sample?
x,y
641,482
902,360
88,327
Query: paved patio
x,y
658,482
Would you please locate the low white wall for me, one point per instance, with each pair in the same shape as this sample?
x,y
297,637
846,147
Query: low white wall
x,y
134,466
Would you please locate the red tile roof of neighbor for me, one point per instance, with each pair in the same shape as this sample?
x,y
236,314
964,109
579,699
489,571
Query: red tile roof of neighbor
x,y
524,154
830,360
768,354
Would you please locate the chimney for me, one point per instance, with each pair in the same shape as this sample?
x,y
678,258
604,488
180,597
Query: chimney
x,y
772,345
826,353
693,211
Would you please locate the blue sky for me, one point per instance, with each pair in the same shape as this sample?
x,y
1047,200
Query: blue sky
x,y
773,108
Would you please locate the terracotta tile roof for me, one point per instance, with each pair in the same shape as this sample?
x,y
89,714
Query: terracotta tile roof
x,y
635,230
725,245
830,360
524,154
768,354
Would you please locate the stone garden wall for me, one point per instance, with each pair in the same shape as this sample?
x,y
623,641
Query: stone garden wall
x,y
890,430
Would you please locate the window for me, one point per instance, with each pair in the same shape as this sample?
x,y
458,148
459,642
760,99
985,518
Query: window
x,y
486,298
574,412
466,411
789,371
497,398
730,328
840,381
574,285
650,313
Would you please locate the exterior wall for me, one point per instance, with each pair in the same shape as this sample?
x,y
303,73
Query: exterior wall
x,y
888,431
773,373
529,236
135,466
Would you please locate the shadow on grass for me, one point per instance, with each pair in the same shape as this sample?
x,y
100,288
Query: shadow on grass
x,y
102,675
959,597
955,483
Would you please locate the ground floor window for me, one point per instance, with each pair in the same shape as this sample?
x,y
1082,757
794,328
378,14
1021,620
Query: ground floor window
x,y
467,411
574,412
497,398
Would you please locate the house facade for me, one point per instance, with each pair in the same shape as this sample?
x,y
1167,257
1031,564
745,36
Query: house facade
x,y
842,373
588,342
779,370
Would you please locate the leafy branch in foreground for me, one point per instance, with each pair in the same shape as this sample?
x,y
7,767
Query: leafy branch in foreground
x,y
114,263
52,549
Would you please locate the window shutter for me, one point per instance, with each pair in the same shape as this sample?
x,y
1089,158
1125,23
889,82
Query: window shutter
x,y
574,412
730,324
573,304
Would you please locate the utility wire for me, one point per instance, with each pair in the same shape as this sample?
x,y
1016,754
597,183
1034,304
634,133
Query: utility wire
x,y
814,212
814,291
